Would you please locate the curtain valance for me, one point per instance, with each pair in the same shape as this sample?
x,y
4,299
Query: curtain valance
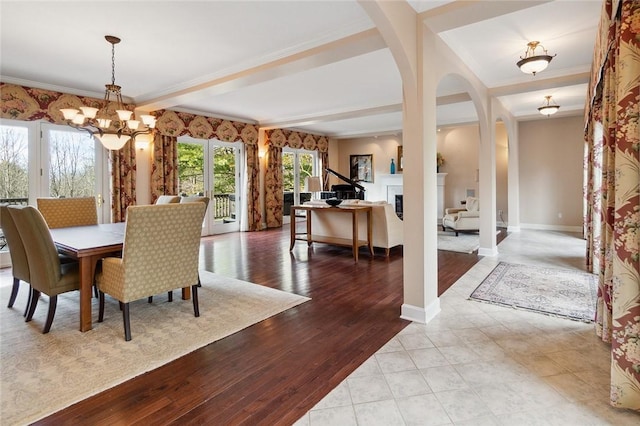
x,y
283,137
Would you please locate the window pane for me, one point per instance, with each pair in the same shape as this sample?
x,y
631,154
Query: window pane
x,y
190,169
72,164
14,164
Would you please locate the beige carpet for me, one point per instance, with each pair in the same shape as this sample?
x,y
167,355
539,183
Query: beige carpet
x,y
41,374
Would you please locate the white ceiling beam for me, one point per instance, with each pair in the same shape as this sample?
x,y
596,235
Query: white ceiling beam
x,y
463,12
354,45
540,84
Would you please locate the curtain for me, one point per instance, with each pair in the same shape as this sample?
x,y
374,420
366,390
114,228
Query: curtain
x,y
164,166
274,197
324,160
613,193
253,188
123,181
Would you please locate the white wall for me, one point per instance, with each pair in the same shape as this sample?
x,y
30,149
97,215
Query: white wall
x,y
551,171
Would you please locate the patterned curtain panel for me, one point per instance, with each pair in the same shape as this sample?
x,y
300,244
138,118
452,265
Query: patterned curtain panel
x,y
614,184
276,140
164,167
123,181
324,158
254,217
274,197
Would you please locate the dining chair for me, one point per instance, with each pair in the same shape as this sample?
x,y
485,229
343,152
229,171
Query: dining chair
x,y
160,254
19,264
47,274
168,199
66,212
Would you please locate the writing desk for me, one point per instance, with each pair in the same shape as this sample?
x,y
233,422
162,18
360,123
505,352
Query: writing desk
x,y
355,242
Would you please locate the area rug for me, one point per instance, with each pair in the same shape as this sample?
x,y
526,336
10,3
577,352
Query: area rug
x,y
463,243
41,374
558,292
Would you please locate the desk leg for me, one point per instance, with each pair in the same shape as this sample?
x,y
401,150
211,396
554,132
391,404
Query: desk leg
x,y
370,230
309,241
87,266
293,229
354,224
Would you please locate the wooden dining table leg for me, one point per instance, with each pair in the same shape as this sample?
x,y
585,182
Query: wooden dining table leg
x,y
86,282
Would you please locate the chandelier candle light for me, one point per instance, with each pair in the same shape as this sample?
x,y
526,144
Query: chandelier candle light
x,y
532,63
113,134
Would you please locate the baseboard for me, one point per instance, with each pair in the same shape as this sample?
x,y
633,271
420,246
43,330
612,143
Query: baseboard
x,y
488,252
542,227
421,315
513,228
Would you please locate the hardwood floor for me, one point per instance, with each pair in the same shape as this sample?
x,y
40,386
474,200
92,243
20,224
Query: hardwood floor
x,y
274,371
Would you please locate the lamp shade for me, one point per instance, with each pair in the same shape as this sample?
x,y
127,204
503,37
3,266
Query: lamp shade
x,y
548,108
313,184
113,141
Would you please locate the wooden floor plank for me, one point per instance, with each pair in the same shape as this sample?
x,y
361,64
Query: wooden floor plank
x,y
274,371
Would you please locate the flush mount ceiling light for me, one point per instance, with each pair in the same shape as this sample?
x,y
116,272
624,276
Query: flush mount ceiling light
x,y
101,123
532,63
548,108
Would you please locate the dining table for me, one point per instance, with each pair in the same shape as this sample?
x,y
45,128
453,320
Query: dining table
x,y
88,244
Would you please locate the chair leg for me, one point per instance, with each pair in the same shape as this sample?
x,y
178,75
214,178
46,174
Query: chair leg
x,y
443,228
194,296
456,233
14,292
127,322
53,302
26,308
150,299
386,251
199,283
170,296
35,295
100,306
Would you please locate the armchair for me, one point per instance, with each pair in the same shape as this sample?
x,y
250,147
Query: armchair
x,y
463,219
19,264
160,254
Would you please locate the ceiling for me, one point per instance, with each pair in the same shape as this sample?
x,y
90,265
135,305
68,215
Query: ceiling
x,y
315,66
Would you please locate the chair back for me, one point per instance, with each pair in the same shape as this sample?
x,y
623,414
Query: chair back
x,y
196,199
168,199
161,248
472,204
19,264
42,256
65,212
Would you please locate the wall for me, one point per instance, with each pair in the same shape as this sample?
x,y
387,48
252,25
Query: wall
x,y
551,170
460,148
502,169
383,148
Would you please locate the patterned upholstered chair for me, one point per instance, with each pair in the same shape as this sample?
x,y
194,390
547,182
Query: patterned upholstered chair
x,y
47,275
19,264
168,199
160,254
195,199
65,212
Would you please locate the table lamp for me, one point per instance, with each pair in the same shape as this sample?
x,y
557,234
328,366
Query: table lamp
x,y
313,185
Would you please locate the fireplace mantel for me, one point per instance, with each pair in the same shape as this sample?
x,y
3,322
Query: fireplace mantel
x,y
393,186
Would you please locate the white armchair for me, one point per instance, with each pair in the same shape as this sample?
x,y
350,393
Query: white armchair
x,y
463,219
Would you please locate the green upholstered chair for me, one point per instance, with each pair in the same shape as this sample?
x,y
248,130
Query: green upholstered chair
x,y
46,273
65,212
19,264
160,254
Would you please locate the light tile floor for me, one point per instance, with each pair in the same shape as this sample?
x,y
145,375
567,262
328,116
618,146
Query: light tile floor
x,y
480,364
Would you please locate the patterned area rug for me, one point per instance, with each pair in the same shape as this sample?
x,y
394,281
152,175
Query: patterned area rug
x,y
44,373
557,292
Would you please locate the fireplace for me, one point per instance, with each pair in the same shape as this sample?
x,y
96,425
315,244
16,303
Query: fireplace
x,y
398,205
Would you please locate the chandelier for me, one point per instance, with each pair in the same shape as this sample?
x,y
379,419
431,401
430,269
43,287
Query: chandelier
x,y
100,122
548,108
532,63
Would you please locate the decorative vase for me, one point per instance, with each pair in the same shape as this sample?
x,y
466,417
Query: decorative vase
x,y
392,169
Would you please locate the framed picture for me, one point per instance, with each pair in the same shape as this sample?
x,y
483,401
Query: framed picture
x,y
399,160
361,168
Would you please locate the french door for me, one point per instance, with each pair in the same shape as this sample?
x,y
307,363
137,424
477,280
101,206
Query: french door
x,y
214,169
39,159
297,165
